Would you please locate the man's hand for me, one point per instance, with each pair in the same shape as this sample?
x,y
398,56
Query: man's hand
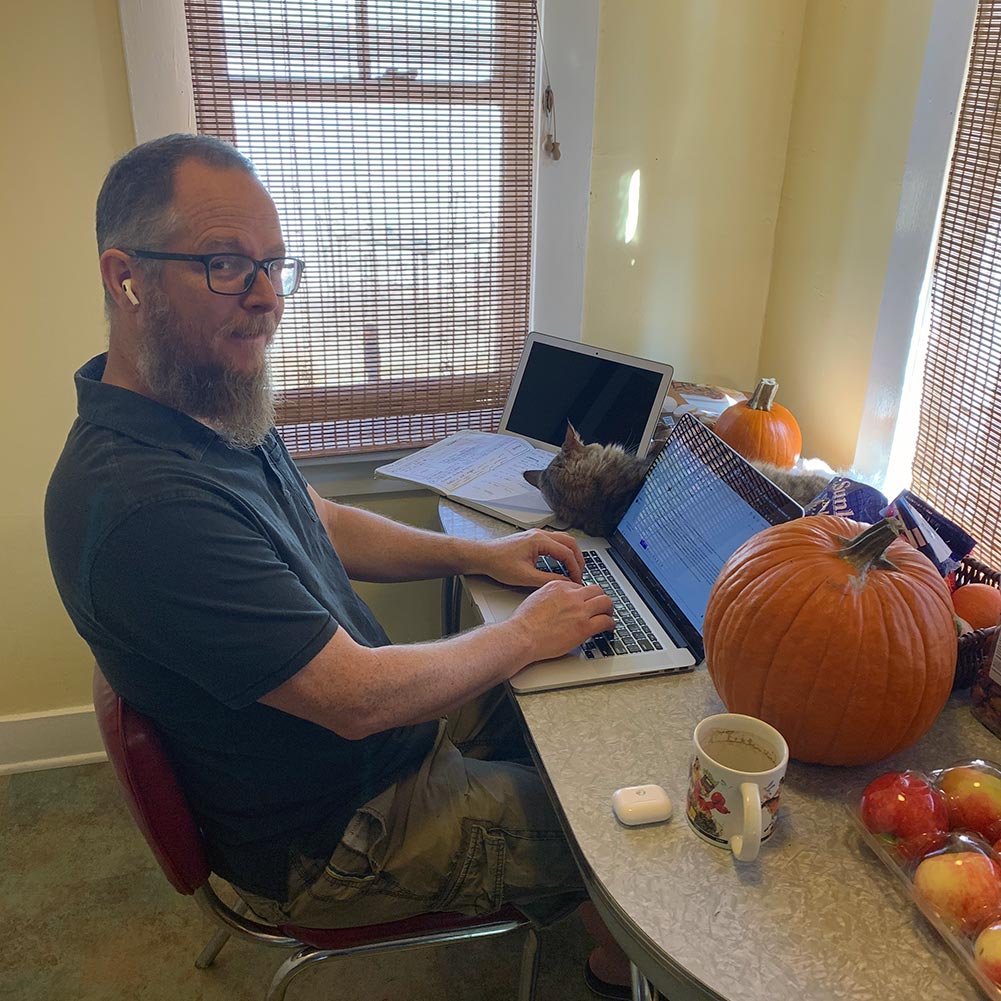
x,y
561,615
511,559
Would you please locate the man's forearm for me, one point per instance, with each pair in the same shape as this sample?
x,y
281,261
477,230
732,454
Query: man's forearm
x,y
373,548
356,691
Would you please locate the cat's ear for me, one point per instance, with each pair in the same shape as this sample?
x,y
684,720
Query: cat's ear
x,y
533,476
572,440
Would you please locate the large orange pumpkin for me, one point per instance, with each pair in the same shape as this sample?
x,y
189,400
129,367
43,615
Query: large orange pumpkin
x,y
840,635
761,429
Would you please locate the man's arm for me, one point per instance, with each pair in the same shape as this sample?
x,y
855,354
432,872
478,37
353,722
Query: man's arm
x,y
356,691
373,548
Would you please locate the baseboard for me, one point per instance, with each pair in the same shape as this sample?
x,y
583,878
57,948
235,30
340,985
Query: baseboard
x,y
54,739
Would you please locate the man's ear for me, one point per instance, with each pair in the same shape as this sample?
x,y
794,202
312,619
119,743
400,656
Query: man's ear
x,y
120,280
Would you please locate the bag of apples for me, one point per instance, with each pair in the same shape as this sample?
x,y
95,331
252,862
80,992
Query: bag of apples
x,y
940,832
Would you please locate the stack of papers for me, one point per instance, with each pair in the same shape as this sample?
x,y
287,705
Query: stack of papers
x,y
704,402
482,471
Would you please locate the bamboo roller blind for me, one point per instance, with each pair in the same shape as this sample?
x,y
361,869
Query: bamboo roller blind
x,y
957,463
397,140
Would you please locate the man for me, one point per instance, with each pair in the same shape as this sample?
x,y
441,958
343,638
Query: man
x,y
212,585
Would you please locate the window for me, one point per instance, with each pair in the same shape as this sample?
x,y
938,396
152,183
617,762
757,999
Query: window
x,y
957,458
397,139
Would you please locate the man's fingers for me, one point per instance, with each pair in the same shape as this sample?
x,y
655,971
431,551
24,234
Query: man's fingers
x,y
598,604
568,555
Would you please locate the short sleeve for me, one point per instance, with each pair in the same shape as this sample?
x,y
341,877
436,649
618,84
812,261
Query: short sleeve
x,y
194,585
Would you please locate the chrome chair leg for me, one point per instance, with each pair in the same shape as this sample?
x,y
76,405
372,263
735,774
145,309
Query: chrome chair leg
x,y
642,988
214,945
529,966
290,969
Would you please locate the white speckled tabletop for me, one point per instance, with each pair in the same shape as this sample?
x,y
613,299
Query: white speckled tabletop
x,y
815,918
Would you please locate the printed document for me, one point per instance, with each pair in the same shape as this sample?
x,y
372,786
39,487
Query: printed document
x,y
482,471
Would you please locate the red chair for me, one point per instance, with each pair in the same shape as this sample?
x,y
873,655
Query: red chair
x,y
161,812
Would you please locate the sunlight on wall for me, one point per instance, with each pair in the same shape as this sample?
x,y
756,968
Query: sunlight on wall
x,y
632,207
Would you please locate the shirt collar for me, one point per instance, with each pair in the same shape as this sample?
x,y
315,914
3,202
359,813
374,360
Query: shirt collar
x,y
136,415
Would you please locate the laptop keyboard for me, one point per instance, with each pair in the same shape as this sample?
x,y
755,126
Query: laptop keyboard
x,y
631,633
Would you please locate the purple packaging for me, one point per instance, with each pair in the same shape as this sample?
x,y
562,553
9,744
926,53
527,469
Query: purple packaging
x,y
848,498
929,531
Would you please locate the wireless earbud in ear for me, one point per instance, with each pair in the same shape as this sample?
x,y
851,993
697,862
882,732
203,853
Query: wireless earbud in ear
x,y
129,294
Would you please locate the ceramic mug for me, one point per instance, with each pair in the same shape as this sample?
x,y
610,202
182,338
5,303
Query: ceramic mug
x,y
738,764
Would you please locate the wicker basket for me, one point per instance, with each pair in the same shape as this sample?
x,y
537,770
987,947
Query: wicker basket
x,y
975,648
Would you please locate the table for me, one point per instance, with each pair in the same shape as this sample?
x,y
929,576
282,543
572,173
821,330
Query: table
x,y
815,918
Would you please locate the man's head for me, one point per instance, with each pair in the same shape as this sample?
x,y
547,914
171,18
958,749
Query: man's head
x,y
172,337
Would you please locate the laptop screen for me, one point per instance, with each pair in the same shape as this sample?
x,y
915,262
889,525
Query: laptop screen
x,y
608,397
698,504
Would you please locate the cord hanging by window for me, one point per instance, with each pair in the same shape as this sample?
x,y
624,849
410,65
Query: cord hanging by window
x,y
551,146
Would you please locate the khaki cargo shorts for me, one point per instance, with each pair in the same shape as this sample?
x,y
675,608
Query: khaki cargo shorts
x,y
471,830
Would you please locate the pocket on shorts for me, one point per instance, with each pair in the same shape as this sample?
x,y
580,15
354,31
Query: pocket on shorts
x,y
356,862
475,882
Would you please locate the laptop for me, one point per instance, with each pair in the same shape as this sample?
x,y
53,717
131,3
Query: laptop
x,y
698,503
609,397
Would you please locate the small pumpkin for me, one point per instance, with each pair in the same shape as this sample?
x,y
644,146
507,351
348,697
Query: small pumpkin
x,y
840,635
978,604
760,429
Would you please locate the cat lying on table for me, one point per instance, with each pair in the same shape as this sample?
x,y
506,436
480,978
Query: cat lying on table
x,y
590,486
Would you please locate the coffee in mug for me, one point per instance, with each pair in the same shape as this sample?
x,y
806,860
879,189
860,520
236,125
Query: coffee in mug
x,y
738,764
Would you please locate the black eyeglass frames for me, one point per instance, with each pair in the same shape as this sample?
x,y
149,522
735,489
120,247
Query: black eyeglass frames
x,y
234,274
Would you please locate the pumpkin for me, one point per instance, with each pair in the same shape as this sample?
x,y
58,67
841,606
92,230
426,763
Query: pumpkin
x,y
840,635
761,429
978,604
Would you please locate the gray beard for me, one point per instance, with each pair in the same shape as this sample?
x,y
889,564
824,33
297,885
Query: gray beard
x,y
240,408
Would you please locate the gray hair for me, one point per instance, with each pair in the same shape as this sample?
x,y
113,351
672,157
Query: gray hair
x,y
135,206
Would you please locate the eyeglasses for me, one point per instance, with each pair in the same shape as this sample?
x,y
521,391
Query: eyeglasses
x,y
234,274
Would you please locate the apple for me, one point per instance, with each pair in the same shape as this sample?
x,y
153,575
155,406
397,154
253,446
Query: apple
x,y
964,887
973,797
987,952
906,812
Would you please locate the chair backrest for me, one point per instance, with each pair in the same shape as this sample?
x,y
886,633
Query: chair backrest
x,y
150,788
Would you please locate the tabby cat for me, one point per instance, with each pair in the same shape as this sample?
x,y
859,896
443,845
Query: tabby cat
x,y
590,486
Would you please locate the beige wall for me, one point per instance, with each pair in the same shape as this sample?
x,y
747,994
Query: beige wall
x,y
697,96
702,96
62,73
859,71
771,139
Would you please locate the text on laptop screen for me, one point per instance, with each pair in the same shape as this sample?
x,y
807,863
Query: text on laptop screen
x,y
698,504
606,401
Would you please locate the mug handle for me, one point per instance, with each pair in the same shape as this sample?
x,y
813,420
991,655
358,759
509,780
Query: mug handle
x,y
745,846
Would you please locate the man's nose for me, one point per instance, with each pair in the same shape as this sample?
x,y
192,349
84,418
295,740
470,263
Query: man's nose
x,y
261,297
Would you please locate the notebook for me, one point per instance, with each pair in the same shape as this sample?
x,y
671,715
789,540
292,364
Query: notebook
x,y
607,396
698,503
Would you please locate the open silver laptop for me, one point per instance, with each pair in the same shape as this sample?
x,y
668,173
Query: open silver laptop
x,y
698,503
609,397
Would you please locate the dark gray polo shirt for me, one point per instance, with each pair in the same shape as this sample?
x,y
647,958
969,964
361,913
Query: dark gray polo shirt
x,y
202,578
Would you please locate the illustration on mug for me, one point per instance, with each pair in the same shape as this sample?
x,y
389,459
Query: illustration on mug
x,y
703,799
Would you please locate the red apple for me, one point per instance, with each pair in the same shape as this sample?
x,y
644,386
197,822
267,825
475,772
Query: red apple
x,y
964,887
987,952
973,797
903,810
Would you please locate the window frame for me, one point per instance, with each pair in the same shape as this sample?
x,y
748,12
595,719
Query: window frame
x,y
886,437
154,39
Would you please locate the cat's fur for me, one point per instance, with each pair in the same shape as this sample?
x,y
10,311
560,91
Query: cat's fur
x,y
590,486
801,485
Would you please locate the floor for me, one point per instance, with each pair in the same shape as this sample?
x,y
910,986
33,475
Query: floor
x,y
86,915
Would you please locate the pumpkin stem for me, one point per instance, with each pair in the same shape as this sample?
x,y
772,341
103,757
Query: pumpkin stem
x,y
764,395
865,551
